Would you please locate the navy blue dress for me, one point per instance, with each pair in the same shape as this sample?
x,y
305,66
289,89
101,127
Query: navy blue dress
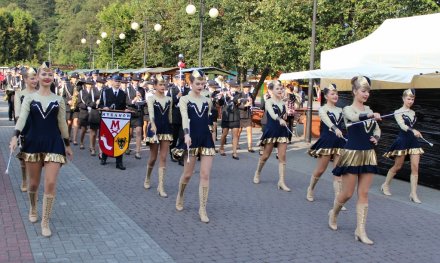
x,y
160,112
406,143
358,156
328,143
196,117
19,97
44,140
273,131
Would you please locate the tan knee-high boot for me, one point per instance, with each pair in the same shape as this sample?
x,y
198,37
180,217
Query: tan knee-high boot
x,y
337,188
147,184
413,195
33,211
333,215
180,195
359,233
310,195
203,199
385,187
258,171
282,172
48,201
24,177
160,187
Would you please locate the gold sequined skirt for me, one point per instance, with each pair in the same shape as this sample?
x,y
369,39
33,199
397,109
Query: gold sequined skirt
x,y
405,152
203,151
274,140
324,152
43,157
159,137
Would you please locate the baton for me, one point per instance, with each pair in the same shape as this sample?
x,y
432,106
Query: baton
x,y
430,144
382,116
9,162
345,139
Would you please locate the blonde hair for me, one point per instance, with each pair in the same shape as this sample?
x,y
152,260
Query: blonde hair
x,y
359,82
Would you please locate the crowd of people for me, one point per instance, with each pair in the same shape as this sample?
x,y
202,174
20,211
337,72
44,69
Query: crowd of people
x,y
179,119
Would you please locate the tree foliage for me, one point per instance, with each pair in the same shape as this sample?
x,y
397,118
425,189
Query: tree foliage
x,y
18,35
253,34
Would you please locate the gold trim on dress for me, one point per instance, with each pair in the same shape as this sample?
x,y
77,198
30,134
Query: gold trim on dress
x,y
357,158
403,152
160,137
274,140
203,151
44,157
324,152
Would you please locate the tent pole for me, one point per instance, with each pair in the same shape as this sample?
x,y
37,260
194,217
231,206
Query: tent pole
x,y
310,90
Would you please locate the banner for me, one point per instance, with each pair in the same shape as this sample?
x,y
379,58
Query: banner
x,y
114,132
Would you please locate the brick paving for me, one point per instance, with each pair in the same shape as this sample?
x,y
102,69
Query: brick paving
x,y
14,242
104,215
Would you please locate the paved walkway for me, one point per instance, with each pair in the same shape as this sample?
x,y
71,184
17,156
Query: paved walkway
x,y
104,215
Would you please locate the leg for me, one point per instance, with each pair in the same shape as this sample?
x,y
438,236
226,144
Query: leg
x,y
415,159
69,124
92,136
164,147
75,130
119,164
398,163
349,185
267,150
144,130
138,142
24,177
249,138
51,174
282,147
337,181
154,148
205,170
188,170
225,132
34,170
234,142
364,183
321,166
82,135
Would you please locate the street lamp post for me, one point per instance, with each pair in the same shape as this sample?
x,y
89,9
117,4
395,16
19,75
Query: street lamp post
x,y
104,35
312,62
135,26
213,13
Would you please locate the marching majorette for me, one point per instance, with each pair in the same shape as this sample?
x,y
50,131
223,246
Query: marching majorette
x,y
330,143
31,80
275,134
46,143
159,132
357,162
195,110
406,146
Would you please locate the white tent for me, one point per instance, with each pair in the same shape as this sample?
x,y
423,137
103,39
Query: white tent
x,y
394,56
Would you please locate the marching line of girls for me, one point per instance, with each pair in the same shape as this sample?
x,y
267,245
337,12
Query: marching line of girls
x,y
354,158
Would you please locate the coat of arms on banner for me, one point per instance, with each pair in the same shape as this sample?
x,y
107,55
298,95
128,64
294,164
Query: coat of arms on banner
x,y
114,132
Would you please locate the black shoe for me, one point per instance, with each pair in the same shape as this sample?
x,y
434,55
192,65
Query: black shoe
x,y
120,166
137,156
181,162
235,157
173,159
251,150
103,161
